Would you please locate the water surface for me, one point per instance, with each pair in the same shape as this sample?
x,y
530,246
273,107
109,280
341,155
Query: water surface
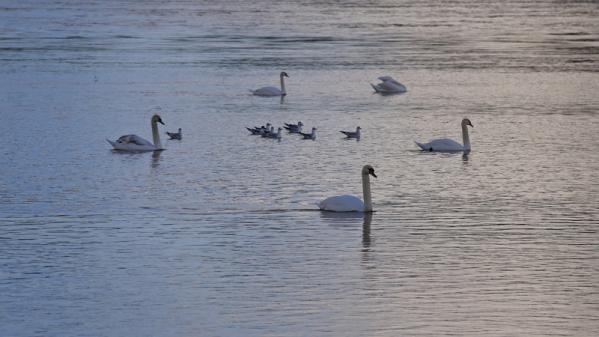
x,y
219,234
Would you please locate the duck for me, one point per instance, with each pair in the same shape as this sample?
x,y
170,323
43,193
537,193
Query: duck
x,y
273,135
449,145
351,203
352,134
272,91
294,128
259,130
175,135
256,131
135,143
268,132
311,135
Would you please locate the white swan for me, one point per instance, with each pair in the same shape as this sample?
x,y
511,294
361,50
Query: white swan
x,y
449,145
272,91
389,86
135,143
350,203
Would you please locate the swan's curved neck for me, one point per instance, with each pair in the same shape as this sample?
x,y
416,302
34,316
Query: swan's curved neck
x,y
465,137
283,85
366,192
156,136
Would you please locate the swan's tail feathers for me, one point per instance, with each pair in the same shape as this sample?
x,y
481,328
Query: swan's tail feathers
x,y
374,87
253,92
422,146
111,142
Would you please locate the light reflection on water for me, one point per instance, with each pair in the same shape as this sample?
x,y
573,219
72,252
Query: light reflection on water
x,y
219,235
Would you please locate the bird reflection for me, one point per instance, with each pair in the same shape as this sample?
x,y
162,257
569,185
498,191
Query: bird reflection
x,y
465,157
366,240
156,158
350,220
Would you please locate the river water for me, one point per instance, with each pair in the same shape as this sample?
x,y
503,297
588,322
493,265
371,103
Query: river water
x,y
219,234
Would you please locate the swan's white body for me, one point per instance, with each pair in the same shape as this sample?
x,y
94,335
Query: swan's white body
x,y
389,86
342,203
350,203
135,143
449,145
272,91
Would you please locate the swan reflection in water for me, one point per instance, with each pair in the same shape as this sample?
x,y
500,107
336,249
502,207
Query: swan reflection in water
x,y
366,240
156,159
349,220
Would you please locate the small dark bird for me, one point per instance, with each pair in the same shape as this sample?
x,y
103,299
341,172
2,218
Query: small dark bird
x,y
259,130
294,128
175,135
311,135
352,134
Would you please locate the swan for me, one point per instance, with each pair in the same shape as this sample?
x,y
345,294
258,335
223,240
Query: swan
x,y
175,135
449,145
311,135
389,86
350,203
352,134
135,143
272,91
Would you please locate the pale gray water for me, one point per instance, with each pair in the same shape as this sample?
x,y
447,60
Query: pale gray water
x,y
217,235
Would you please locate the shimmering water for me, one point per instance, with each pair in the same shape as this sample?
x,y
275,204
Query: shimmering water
x,y
218,235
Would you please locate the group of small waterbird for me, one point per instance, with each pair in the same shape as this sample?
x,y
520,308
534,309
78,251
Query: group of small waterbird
x,y
341,203
268,131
